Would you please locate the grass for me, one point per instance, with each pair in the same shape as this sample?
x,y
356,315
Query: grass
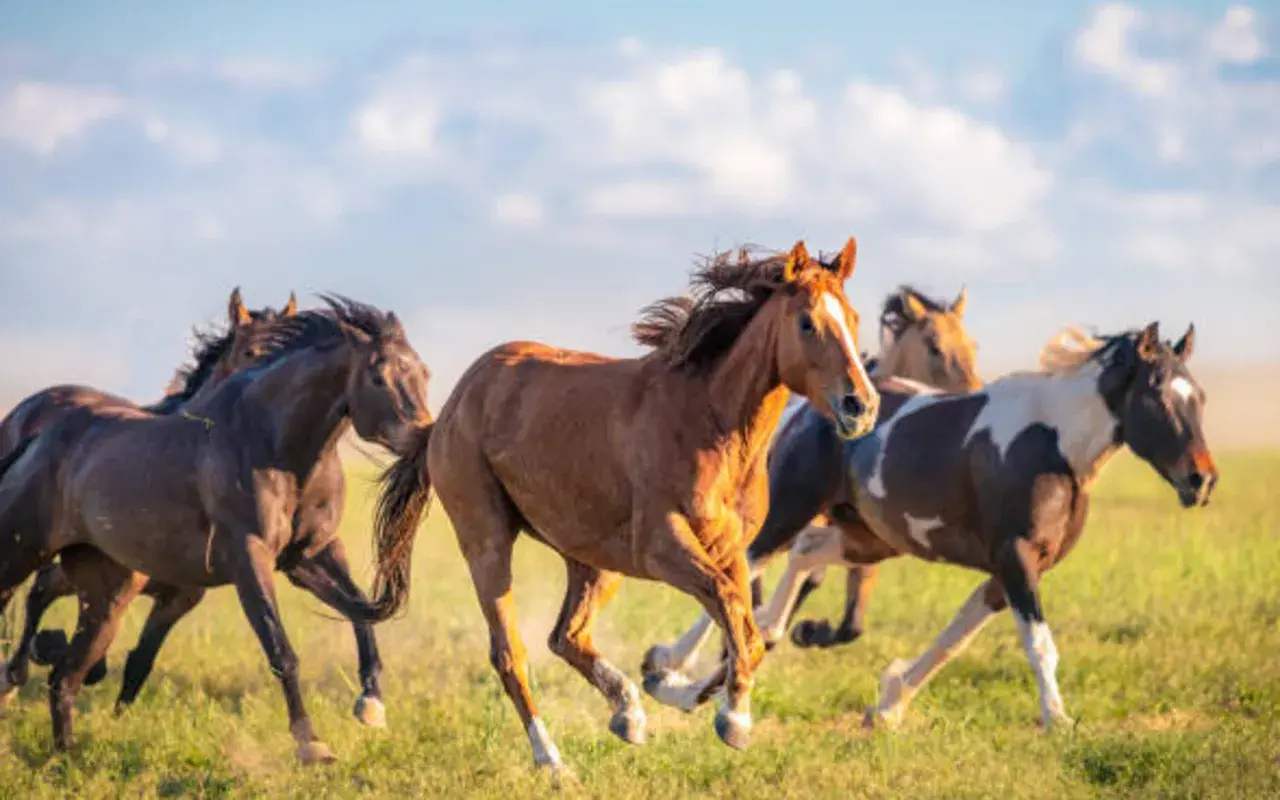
x,y
1167,622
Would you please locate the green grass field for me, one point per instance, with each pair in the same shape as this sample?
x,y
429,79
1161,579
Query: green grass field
x,y
1168,623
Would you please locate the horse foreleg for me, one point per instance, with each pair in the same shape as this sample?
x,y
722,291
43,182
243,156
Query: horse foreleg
x,y
327,576
815,548
902,680
171,605
587,591
1020,573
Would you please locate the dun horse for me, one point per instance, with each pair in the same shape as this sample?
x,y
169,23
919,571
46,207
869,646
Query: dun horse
x,y
920,340
650,467
217,355
209,497
999,481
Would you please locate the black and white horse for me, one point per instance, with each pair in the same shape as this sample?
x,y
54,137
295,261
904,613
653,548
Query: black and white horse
x,y
996,480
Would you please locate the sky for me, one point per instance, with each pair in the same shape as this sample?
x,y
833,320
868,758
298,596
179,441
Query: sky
x,y
507,170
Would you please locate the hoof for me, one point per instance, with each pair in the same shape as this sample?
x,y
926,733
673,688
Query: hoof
x,y
1057,722
96,673
561,776
8,690
371,712
628,725
656,661
49,647
670,689
315,752
733,729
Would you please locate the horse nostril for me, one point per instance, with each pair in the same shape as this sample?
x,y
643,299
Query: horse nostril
x,y
1196,480
851,406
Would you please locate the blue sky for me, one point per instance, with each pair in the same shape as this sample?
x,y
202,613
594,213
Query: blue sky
x,y
510,170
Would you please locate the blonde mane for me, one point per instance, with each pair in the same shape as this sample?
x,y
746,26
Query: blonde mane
x,y
1068,350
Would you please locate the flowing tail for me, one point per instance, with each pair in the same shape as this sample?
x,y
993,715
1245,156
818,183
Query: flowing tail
x,y
406,494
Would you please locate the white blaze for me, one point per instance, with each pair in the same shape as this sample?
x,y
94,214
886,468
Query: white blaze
x,y
1181,387
836,311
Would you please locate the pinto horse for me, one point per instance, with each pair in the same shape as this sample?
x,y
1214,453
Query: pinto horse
x,y
650,467
208,497
999,481
217,354
921,339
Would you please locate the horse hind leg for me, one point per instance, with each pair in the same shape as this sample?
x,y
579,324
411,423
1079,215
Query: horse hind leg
x,y
588,590
327,576
50,584
859,585
105,589
171,605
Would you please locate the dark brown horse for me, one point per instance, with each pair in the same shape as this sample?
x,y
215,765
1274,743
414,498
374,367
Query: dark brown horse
x,y
217,354
650,467
921,339
999,481
209,497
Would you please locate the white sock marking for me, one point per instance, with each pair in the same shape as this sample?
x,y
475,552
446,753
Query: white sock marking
x,y
545,752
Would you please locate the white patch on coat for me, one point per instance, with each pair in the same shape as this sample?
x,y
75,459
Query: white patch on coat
x,y
545,752
1069,404
1182,387
919,529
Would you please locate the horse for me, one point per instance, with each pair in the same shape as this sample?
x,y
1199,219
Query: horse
x,y
650,467
210,497
324,572
921,339
216,354
999,481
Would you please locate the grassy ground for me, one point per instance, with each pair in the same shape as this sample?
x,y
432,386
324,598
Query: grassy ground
x,y
1167,622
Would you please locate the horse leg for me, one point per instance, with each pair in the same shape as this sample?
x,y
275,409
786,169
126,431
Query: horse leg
x,y
17,561
171,604
50,584
255,585
902,680
815,548
1021,576
105,590
859,585
325,575
725,591
587,591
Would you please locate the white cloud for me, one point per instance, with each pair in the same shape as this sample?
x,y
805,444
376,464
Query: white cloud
x,y
1105,46
403,114
268,74
519,210
981,84
188,144
1235,40
44,116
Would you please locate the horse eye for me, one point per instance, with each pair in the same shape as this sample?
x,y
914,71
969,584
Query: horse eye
x,y
806,325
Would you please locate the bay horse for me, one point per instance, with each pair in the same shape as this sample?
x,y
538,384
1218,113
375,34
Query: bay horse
x,y
216,353
650,467
209,497
922,340
999,481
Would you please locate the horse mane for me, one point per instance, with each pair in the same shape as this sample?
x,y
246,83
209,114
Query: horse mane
x,y
323,328
208,346
894,313
1072,348
694,331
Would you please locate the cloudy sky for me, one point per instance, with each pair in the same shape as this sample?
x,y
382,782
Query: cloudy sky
x,y
494,172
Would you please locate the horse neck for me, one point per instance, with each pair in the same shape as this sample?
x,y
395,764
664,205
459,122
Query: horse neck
x,y
304,398
1072,404
746,393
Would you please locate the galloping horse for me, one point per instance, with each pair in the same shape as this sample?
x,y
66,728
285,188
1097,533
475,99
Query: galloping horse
x,y
921,340
651,467
999,481
209,497
216,355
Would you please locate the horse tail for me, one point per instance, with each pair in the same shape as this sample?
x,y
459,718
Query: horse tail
x,y
405,497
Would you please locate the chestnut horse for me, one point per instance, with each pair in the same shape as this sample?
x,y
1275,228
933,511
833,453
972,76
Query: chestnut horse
x,y
921,339
208,497
649,467
216,355
999,481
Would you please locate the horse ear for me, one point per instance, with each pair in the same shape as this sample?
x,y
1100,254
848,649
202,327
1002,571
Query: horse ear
x,y
797,262
847,260
291,307
1187,344
1149,342
911,304
237,314
961,301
